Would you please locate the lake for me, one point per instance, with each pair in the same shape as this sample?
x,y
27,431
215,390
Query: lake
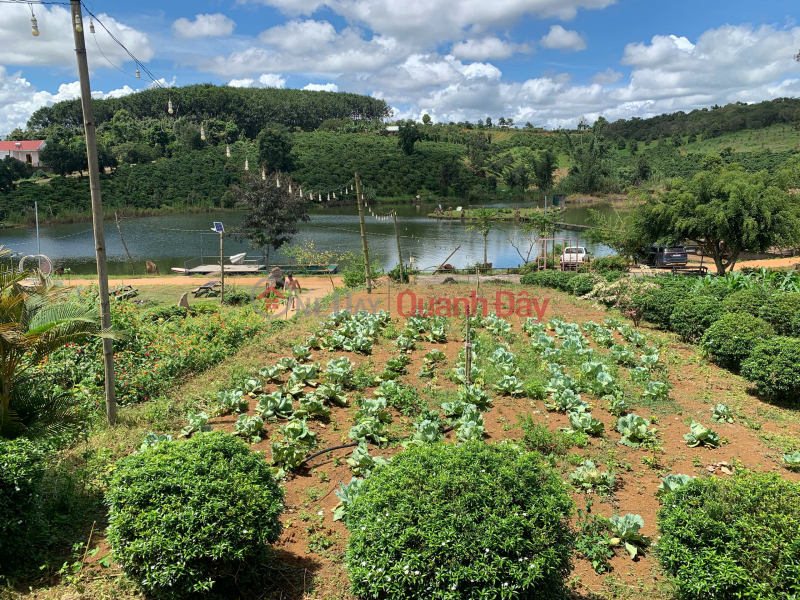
x,y
171,240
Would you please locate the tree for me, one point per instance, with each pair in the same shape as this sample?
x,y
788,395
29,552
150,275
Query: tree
x,y
544,169
501,121
642,170
63,154
272,215
274,145
726,211
509,122
600,125
528,125
488,121
536,225
590,164
407,137
11,169
583,123
34,323
482,221
426,119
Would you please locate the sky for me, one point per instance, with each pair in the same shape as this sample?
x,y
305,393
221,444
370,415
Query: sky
x,y
547,62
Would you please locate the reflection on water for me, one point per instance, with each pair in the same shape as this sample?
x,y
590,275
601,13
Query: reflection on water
x,y
169,241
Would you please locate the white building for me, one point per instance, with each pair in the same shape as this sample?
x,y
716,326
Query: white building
x,y
26,151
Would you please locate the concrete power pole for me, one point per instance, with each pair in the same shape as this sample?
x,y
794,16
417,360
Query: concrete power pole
x,y
399,252
364,244
97,207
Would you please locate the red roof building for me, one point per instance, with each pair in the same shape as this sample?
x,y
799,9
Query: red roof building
x,y
25,150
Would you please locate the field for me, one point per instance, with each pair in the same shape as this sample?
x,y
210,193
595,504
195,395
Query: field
x,y
312,545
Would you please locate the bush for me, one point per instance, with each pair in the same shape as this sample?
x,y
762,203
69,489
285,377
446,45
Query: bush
x,y
581,285
468,521
730,340
406,273
551,278
166,313
234,297
21,472
204,308
538,438
733,538
746,301
610,263
796,325
774,366
693,316
779,310
184,515
657,304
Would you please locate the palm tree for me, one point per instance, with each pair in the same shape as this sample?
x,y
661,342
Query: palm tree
x,y
33,323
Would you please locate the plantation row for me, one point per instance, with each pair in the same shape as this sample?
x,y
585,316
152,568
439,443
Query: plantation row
x,y
748,323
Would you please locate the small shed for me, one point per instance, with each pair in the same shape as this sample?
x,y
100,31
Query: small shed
x,y
25,150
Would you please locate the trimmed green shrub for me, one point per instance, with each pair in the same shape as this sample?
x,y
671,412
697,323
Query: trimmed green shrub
x,y
774,366
693,316
796,325
610,263
779,310
551,278
731,339
733,538
747,301
460,522
184,515
581,285
657,304
21,472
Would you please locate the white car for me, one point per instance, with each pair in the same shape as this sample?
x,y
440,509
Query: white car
x,y
574,256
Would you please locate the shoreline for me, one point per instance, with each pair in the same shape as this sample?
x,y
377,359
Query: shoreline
x,y
138,213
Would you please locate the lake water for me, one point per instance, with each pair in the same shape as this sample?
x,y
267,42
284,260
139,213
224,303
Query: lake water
x,y
170,241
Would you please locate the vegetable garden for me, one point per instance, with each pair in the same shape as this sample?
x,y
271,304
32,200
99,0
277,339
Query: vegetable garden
x,y
579,455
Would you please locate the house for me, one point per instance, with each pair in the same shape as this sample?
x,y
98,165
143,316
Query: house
x,y
392,129
26,151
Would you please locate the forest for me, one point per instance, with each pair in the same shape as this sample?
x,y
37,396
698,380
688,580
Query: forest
x,y
157,161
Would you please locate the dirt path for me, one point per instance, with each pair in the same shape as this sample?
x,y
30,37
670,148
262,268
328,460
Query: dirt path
x,y
770,263
193,282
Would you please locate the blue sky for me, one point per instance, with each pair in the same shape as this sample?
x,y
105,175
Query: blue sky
x,y
544,61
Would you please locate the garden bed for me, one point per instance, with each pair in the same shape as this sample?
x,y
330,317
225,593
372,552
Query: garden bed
x,y
312,544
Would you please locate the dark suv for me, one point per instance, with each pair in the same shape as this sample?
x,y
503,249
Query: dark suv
x,y
666,256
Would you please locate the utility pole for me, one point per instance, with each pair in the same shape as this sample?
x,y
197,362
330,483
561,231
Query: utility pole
x,y
97,208
363,233
399,252
222,268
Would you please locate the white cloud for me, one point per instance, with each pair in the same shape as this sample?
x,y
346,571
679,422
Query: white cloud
x,y
487,48
426,22
55,46
19,99
322,87
267,80
559,38
204,25
606,77
299,36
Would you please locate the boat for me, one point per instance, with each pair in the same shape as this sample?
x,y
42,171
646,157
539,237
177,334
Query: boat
x,y
178,270
238,259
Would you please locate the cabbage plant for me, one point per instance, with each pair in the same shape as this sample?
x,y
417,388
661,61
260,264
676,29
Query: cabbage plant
x,y
699,435
198,421
474,394
567,401
584,422
656,391
311,405
361,463
509,385
301,353
274,406
635,430
271,373
332,393
621,354
588,477
249,428
626,532
346,497
722,413
232,401
792,461
339,371
153,439
672,483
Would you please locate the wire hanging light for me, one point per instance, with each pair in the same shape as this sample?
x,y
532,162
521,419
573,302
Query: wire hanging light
x,y
277,181
329,196
202,132
320,197
91,27
263,175
228,150
170,110
138,75
246,164
290,187
334,195
78,22
34,24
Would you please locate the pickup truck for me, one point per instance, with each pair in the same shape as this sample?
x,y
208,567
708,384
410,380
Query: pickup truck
x,y
573,257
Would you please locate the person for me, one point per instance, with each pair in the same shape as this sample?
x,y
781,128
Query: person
x,y
292,286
